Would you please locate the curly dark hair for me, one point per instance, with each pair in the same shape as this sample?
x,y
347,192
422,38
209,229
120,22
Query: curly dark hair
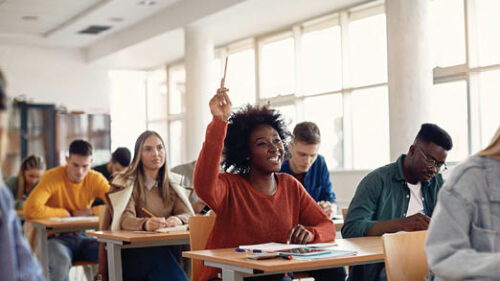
x,y
240,124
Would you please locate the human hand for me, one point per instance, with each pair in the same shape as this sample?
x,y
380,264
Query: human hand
x,y
173,221
82,213
220,104
415,222
327,208
155,223
299,235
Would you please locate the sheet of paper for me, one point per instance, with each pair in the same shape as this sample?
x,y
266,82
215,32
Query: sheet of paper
x,y
75,219
273,246
171,229
329,254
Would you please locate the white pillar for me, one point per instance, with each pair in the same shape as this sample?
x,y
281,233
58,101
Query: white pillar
x,y
410,70
199,55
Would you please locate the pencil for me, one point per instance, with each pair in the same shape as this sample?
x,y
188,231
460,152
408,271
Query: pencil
x,y
148,212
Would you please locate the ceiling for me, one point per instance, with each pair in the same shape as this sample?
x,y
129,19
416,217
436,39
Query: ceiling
x,y
147,33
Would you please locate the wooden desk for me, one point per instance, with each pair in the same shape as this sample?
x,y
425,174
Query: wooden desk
x,y
235,266
118,240
45,226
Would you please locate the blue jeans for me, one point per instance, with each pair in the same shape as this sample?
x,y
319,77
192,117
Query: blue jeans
x,y
64,248
153,264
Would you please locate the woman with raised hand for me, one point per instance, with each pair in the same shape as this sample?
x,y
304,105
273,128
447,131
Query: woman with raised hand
x,y
253,203
146,197
32,169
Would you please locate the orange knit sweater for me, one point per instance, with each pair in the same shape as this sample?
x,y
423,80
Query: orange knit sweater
x,y
245,215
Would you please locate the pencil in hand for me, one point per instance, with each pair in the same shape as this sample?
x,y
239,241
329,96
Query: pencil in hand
x,y
148,212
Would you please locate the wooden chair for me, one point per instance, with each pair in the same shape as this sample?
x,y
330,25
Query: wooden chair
x,y
344,213
90,267
199,228
404,256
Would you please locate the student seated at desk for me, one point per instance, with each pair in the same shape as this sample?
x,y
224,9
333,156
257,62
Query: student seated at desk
x,y
400,196
32,169
463,237
146,186
65,191
254,203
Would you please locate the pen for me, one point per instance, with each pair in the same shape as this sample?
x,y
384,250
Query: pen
x,y
286,257
148,212
249,250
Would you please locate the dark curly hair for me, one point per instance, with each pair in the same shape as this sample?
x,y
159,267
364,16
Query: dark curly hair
x,y
240,124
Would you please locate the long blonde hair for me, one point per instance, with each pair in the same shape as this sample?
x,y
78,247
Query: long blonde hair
x,y
493,149
30,162
136,168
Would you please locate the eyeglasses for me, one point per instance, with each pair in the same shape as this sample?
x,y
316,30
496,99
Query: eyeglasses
x,y
431,163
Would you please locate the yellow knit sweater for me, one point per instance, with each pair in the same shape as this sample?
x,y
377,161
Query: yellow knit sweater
x,y
55,194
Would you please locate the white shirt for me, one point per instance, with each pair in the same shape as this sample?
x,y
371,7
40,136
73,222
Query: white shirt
x,y
416,204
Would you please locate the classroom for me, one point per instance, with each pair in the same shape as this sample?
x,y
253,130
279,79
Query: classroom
x,y
363,123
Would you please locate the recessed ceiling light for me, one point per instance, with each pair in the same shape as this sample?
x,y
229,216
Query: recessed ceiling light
x,y
116,19
29,18
147,2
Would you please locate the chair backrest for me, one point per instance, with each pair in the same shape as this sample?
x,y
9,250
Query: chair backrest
x,y
344,213
199,229
404,255
101,212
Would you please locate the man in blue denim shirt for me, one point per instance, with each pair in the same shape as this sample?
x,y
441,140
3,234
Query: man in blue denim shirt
x,y
398,197
16,260
307,166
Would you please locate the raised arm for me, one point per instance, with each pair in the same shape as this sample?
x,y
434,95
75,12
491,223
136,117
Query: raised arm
x,y
206,172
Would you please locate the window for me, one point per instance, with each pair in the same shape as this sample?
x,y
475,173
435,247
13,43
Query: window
x,y
488,27
370,127
321,61
156,96
489,102
177,88
368,48
278,68
240,77
447,32
176,111
452,117
175,141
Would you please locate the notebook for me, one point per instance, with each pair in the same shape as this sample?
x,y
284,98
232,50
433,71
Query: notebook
x,y
172,229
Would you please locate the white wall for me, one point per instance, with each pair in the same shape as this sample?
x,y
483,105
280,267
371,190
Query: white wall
x,y
344,185
55,75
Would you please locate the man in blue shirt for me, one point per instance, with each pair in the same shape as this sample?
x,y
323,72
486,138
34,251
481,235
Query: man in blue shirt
x,y
308,167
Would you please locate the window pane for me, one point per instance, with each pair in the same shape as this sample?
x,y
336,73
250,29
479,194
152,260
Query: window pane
x,y
240,77
321,61
327,113
370,128
157,95
448,32
488,28
452,117
368,47
489,99
177,88
161,128
175,148
278,68
127,96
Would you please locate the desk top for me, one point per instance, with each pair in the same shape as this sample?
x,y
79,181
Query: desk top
x,y
137,236
369,250
81,223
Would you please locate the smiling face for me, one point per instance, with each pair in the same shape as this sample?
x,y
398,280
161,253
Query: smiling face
x,y
266,149
303,156
153,153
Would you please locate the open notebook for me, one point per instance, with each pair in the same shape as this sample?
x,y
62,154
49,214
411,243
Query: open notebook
x,y
275,247
172,229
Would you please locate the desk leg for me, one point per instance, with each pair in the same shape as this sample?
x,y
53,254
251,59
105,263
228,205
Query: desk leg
x,y
231,275
43,255
114,261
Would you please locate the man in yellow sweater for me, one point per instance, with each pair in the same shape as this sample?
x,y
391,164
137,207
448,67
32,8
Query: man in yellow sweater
x,y
65,191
